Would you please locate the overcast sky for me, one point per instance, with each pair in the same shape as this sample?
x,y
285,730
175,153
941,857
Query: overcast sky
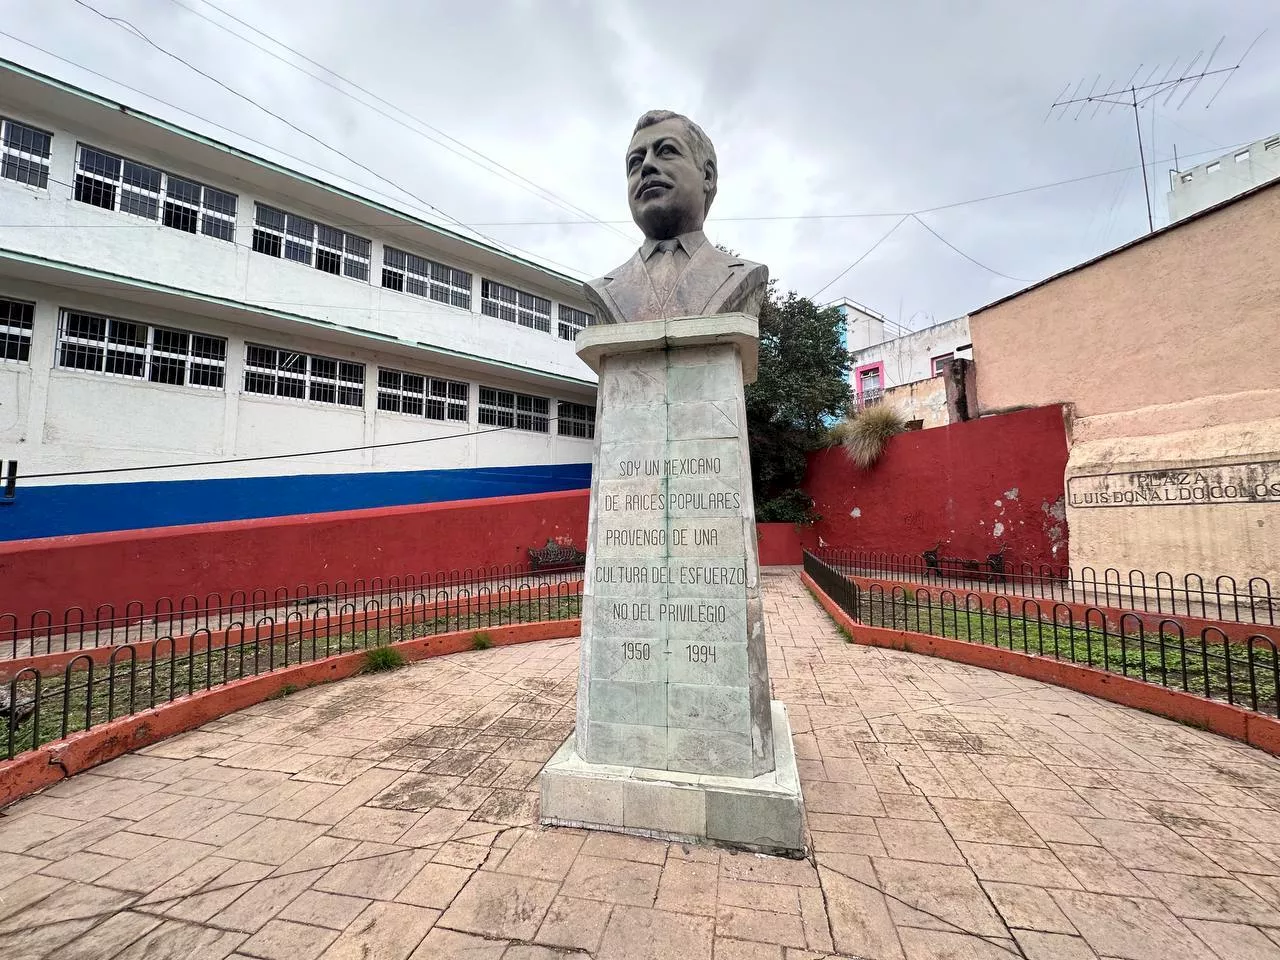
x,y
829,108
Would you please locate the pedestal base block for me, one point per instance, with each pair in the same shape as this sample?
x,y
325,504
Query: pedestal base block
x,y
763,814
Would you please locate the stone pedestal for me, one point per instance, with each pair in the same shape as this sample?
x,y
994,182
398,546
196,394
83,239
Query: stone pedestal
x,y
676,736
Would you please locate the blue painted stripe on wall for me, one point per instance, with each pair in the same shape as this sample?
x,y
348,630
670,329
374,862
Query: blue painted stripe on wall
x,y
94,508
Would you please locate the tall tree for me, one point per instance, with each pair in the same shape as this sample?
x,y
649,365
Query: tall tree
x,y
801,387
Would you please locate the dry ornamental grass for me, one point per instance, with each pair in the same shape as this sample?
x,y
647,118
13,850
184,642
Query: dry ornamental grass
x,y
864,434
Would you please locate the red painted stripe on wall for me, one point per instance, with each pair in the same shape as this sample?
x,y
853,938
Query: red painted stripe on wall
x,y
116,568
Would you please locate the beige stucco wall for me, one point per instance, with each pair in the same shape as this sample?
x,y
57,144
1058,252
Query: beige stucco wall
x,y
1168,354
924,400
1192,313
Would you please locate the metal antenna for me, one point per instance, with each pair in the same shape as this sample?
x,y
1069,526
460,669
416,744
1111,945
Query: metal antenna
x,y
1136,95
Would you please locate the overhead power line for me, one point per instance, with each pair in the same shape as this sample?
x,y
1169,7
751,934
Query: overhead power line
x,y
268,456
977,263
872,249
864,215
466,152
130,28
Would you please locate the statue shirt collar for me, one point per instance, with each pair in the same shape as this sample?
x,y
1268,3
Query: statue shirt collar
x,y
691,242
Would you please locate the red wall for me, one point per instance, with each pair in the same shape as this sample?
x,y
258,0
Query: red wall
x,y
971,486
59,572
783,544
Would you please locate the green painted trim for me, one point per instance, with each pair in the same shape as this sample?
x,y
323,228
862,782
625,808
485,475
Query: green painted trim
x,y
195,295
277,168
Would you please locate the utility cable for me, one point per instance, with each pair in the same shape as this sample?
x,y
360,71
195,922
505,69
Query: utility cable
x,y
520,180
268,456
868,253
130,28
977,263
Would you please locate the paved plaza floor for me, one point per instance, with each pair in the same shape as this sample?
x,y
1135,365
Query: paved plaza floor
x,y
955,814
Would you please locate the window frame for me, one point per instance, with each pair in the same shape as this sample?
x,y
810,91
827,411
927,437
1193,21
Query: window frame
x,y
349,253
314,384
18,155
860,375
206,219
146,350
933,363
405,274
454,396
577,422
16,331
510,416
569,323
519,309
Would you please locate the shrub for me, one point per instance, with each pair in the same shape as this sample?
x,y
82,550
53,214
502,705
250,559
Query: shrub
x,y
377,659
481,641
865,434
794,506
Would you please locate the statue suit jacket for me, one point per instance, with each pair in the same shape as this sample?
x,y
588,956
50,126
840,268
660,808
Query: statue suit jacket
x,y
712,282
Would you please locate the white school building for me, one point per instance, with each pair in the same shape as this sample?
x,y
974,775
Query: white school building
x,y
168,299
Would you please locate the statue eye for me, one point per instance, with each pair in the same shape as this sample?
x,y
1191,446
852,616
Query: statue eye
x,y
668,150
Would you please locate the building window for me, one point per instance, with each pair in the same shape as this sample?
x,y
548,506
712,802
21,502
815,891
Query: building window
x,y
1272,144
276,372
1187,177
502,408
126,348
1242,156
940,363
572,320
575,420
515,306
24,153
277,233
1213,167
115,183
16,318
425,278
869,380
420,396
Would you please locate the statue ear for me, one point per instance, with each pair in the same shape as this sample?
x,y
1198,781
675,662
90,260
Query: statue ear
x,y
709,175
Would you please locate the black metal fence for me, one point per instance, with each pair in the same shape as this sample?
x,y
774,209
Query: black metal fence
x,y
1210,598
80,628
111,678
1244,671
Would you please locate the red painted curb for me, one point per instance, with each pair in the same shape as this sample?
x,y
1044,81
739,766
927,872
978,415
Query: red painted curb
x,y
1234,630
1220,718
56,761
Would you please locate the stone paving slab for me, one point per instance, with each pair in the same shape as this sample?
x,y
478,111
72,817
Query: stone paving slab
x,y
953,814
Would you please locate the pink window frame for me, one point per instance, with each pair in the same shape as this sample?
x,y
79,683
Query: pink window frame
x,y
933,361
858,371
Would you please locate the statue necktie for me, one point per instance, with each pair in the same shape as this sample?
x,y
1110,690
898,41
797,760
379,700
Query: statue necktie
x,y
665,270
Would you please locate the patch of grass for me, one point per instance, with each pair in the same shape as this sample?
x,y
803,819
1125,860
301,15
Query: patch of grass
x,y
378,659
284,691
77,700
481,641
865,433
1232,672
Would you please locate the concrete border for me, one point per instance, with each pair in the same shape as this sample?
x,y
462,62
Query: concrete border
x,y
1236,631
763,814
46,765
1223,719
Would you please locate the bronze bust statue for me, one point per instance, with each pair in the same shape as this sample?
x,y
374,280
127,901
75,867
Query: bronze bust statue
x,y
677,272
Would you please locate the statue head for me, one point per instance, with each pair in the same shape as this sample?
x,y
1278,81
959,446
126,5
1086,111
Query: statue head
x,y
671,175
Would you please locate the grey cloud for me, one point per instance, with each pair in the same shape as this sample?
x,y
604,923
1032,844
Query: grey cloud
x,y
815,107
